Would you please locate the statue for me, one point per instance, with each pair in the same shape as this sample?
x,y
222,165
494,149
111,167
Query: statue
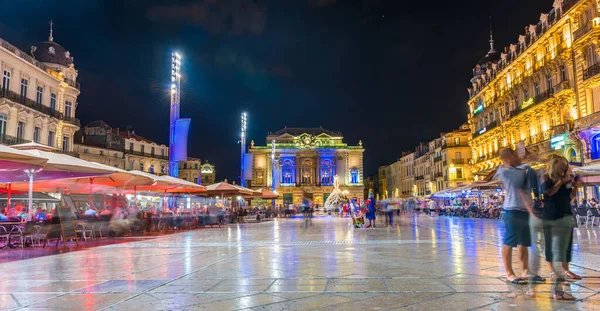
x,y
337,197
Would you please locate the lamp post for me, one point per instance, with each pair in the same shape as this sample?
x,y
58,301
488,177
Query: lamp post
x,y
243,149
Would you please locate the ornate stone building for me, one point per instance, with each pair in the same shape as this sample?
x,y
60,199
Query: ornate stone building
x,y
305,161
190,170
208,174
525,95
38,95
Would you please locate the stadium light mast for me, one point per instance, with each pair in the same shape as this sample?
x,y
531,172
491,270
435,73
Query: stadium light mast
x,y
175,111
243,149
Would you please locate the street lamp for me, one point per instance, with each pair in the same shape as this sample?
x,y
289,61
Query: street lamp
x,y
243,149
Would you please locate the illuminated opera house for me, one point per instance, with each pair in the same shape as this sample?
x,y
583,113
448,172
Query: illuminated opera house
x,y
301,162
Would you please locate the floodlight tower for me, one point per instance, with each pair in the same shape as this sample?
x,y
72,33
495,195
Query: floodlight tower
x,y
243,145
175,101
273,165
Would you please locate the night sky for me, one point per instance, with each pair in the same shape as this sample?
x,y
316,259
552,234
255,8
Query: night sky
x,y
391,73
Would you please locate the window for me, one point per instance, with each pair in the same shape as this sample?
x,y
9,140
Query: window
x,y
68,108
326,172
6,81
66,143
142,150
195,180
457,141
85,150
549,81
53,101
36,134
184,166
24,84
563,73
591,56
526,94
21,130
3,122
536,85
38,96
196,166
354,176
458,156
162,152
51,138
152,151
130,147
287,172
459,173
142,166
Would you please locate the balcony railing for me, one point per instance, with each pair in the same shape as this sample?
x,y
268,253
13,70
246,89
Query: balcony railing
x,y
486,128
73,83
488,156
437,159
22,54
145,154
11,140
591,71
12,96
561,87
538,137
459,161
454,145
419,177
577,34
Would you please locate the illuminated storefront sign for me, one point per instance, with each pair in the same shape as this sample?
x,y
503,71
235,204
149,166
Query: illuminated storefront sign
x,y
481,131
478,109
527,103
558,141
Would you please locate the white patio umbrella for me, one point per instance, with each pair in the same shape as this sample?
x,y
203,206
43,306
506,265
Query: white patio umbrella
x,y
14,160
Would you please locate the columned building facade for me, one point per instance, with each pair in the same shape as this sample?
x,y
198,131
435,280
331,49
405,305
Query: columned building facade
x,y
301,162
38,95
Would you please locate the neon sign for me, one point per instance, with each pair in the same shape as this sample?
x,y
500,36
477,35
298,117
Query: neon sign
x,y
481,131
527,103
478,109
557,142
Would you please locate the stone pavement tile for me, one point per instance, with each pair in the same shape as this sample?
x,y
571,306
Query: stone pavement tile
x,y
541,301
588,304
569,287
7,302
23,285
356,285
473,281
388,301
122,286
245,302
292,296
187,286
470,288
26,299
315,302
459,301
81,301
168,301
591,283
418,285
298,285
242,285
63,286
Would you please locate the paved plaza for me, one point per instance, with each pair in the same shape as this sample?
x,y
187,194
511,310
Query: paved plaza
x,y
429,264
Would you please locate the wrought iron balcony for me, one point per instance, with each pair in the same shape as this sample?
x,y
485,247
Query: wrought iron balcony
x,y
561,87
145,154
14,97
459,161
591,71
437,159
486,128
73,83
11,140
455,145
577,34
419,177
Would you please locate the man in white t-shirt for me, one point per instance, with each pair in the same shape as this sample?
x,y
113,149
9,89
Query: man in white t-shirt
x,y
432,207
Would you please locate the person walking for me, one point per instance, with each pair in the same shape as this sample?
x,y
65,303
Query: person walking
x,y
370,212
516,219
558,221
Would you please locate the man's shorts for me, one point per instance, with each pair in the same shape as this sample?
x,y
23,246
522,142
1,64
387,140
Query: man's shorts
x,y
517,232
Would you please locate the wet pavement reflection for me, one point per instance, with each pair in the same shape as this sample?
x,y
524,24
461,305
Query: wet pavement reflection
x,y
421,264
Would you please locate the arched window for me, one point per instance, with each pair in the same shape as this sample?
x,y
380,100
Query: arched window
x,y
287,172
595,144
354,176
306,172
326,173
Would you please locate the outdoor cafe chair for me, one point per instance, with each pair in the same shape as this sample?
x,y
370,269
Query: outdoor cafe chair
x,y
86,233
4,235
23,233
582,213
595,215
